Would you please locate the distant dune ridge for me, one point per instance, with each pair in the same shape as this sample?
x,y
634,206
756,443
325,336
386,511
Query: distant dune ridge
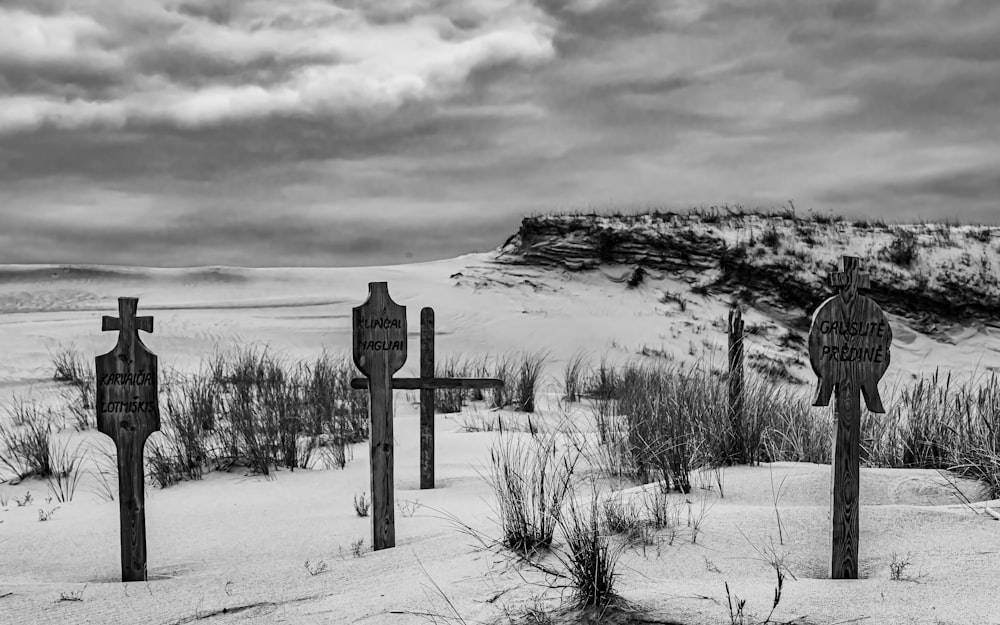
x,y
932,275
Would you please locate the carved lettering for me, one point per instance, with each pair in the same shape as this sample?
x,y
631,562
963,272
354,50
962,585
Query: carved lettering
x,y
128,406
381,346
380,324
142,378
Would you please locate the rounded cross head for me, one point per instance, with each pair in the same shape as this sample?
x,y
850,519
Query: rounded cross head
x,y
379,333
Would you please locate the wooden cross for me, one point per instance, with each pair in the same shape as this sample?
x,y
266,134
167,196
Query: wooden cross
x,y
380,351
128,411
850,280
849,343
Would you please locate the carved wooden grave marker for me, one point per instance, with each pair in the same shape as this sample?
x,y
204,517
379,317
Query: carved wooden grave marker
x,y
128,411
380,351
849,343
381,389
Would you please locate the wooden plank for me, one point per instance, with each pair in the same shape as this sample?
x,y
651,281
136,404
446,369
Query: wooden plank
x,y
379,348
849,345
737,448
413,384
845,498
128,411
426,399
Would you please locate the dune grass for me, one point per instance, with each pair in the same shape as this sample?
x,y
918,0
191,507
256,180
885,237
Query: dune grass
x,y
531,477
655,421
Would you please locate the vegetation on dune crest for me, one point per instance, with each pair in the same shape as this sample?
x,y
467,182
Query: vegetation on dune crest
x,y
926,273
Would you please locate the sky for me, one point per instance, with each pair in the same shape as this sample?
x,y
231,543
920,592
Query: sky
x,y
335,133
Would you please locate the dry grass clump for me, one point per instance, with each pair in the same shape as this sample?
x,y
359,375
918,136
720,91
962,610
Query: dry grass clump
x,y
275,413
503,368
531,477
25,437
66,470
73,368
940,423
590,554
574,375
529,374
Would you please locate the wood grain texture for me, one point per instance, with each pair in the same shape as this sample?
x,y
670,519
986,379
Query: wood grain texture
x,y
849,345
414,384
737,450
128,411
849,338
426,399
846,497
379,351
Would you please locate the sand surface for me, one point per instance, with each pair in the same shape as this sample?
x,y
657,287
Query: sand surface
x,y
231,548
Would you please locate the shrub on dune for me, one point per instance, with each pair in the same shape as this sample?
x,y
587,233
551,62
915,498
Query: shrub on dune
x,y
531,477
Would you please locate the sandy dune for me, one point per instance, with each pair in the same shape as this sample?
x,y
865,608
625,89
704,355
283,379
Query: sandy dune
x,y
237,542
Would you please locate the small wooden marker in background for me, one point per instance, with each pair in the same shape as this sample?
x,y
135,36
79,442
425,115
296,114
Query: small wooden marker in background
x,y
849,342
390,346
128,411
737,448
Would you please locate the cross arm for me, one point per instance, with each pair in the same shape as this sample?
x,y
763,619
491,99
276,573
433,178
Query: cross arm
x,y
109,323
413,384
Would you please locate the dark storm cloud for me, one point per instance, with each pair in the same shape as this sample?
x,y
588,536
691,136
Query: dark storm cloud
x,y
248,133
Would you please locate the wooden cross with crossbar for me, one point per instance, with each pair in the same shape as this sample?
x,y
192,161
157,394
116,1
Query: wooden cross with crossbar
x,y
849,350
851,279
128,411
379,351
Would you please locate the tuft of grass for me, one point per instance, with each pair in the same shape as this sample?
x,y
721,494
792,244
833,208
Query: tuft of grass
x,y
105,471
528,375
531,478
25,439
590,556
407,507
45,515
362,504
358,547
75,595
503,369
70,366
898,567
66,471
573,376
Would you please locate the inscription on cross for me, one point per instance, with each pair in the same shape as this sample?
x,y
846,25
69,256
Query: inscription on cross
x,y
378,356
849,343
128,411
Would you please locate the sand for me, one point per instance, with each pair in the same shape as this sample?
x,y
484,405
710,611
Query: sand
x,y
231,548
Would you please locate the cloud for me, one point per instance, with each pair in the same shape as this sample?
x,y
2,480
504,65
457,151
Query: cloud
x,y
343,122
249,61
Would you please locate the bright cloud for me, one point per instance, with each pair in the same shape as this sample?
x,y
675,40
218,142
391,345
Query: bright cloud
x,y
349,131
210,64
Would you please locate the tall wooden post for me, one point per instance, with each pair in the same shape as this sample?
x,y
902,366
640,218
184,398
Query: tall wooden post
x,y
427,399
426,384
737,450
849,344
380,351
128,411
